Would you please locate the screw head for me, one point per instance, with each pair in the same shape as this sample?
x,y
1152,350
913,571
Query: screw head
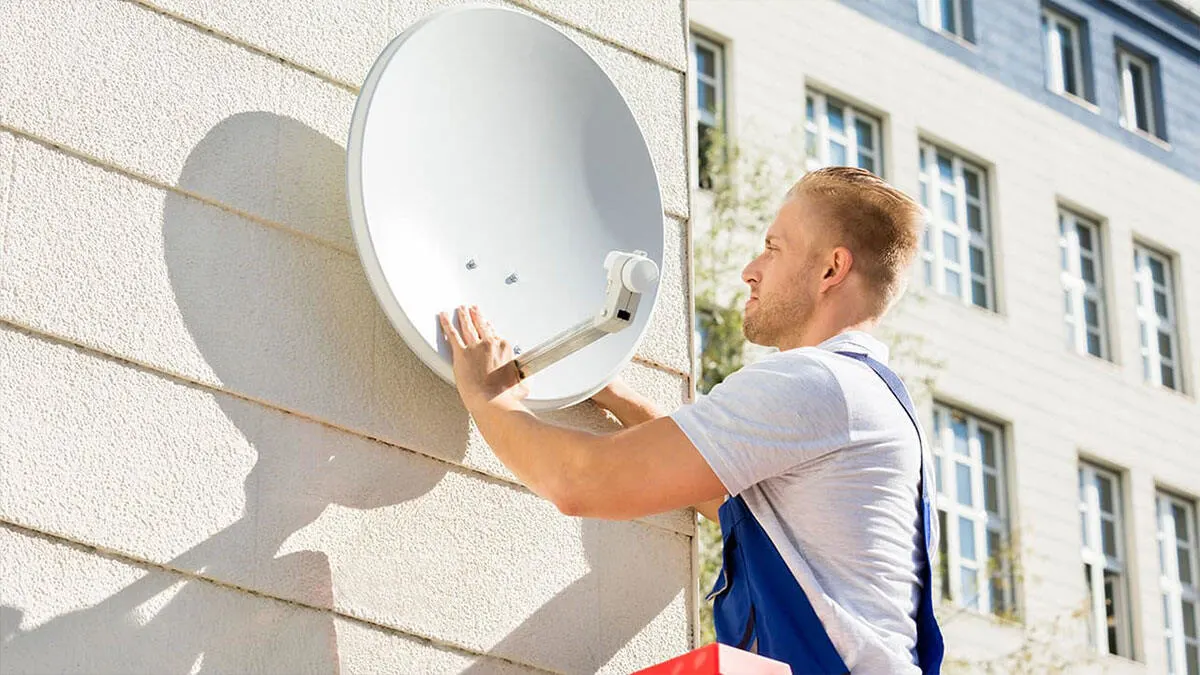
x,y
512,278
516,350
471,264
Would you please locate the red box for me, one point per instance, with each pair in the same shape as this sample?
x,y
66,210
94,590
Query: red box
x,y
718,659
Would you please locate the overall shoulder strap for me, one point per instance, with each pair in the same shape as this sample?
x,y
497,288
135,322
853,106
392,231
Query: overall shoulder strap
x,y
930,645
900,392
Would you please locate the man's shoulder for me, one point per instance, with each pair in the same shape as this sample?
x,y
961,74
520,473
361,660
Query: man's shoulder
x,y
804,362
795,376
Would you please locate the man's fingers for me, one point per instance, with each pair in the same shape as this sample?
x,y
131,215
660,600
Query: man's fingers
x,y
486,331
467,326
452,336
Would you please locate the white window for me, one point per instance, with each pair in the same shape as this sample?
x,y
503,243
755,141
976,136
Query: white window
x,y
1104,560
708,63
956,246
1083,284
1062,38
1137,93
948,16
836,134
975,560
1180,581
1157,327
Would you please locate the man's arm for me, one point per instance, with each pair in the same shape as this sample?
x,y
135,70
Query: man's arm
x,y
650,468
631,409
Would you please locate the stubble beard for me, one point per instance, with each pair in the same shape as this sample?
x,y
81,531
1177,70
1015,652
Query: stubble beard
x,y
773,319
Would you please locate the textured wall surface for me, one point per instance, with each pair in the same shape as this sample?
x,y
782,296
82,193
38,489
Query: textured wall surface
x,y
1010,365
216,455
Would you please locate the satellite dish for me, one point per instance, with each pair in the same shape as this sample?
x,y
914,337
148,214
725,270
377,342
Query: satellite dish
x,y
492,162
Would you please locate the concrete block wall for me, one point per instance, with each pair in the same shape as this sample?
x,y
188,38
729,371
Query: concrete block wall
x,y
215,452
1010,365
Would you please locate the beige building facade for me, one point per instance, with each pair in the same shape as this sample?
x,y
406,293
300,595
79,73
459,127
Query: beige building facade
x,y
216,455
1066,464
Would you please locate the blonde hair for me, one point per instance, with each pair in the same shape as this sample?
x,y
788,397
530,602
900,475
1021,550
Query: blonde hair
x,y
880,224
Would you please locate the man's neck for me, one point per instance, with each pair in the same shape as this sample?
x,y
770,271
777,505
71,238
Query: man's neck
x,y
815,334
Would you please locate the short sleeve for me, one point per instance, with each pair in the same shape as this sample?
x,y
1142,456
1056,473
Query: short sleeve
x,y
768,418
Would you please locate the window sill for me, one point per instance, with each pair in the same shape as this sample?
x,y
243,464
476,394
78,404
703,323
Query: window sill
x,y
953,301
1101,361
1077,100
1183,395
1115,661
955,38
1149,137
947,609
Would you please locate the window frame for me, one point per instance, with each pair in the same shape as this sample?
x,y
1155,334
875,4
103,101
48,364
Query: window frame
x,y
1051,41
1128,102
1102,564
818,125
929,12
1174,592
1150,323
715,119
1079,289
983,522
934,262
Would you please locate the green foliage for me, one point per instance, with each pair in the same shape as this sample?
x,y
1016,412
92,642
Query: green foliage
x,y
722,340
710,566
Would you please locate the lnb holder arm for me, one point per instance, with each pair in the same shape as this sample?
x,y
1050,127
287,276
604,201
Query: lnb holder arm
x,y
629,275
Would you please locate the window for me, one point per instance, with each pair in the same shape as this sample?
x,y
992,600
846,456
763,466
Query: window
x,y
1180,581
1104,560
953,17
836,134
1157,328
975,560
1063,42
1083,284
1138,94
956,245
709,67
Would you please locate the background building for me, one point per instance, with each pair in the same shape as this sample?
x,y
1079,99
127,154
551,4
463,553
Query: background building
x,y
216,455
1057,147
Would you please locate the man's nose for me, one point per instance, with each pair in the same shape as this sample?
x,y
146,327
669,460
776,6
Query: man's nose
x,y
750,273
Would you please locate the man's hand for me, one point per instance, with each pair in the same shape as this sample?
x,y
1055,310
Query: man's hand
x,y
484,370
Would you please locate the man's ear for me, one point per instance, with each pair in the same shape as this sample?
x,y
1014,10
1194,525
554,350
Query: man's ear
x,y
837,267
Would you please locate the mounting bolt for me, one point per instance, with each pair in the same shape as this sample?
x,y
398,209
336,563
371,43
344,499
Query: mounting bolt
x,y
516,350
471,264
512,278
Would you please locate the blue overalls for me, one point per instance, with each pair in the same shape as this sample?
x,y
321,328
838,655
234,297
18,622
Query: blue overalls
x,y
760,607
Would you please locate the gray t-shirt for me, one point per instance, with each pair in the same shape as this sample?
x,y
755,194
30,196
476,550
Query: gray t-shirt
x,y
827,460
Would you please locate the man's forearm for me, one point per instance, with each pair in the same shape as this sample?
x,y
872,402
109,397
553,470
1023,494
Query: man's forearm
x,y
632,409
628,406
547,458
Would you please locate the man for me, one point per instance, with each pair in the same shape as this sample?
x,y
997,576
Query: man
x,y
828,531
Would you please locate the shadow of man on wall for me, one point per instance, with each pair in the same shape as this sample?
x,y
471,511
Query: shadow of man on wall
x,y
291,321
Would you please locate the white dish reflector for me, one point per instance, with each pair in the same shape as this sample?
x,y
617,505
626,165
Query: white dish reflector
x,y
492,162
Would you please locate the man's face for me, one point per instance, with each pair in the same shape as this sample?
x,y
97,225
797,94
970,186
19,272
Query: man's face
x,y
785,277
